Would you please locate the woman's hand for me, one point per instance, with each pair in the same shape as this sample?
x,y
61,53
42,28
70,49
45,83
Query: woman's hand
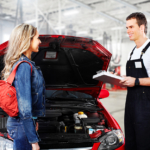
x,y
35,146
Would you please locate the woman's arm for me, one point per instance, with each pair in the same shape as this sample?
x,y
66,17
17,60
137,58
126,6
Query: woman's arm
x,y
24,97
35,146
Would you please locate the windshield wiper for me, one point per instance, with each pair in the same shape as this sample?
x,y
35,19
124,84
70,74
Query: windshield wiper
x,y
90,109
72,99
63,86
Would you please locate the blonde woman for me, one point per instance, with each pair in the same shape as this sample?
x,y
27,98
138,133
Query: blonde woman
x,y
30,89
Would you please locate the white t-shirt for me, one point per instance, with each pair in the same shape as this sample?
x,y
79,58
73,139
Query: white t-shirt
x,y
146,56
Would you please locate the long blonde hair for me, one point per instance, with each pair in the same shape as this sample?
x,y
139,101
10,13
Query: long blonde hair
x,y
19,43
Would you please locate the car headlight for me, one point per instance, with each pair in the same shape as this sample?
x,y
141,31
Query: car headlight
x,y
5,144
111,140
9,145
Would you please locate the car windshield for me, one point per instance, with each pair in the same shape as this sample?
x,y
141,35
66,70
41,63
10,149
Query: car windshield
x,y
52,94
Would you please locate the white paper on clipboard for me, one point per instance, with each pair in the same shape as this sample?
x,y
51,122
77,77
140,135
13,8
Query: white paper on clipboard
x,y
107,77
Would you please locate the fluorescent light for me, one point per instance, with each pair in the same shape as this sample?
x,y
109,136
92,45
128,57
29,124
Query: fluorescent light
x,y
7,17
82,32
59,27
71,12
97,21
116,28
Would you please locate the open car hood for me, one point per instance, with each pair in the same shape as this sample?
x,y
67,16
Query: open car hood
x,y
69,63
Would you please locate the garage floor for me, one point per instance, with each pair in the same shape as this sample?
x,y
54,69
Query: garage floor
x,y
115,104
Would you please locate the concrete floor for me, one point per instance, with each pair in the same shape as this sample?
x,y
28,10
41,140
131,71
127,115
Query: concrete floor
x,y
115,104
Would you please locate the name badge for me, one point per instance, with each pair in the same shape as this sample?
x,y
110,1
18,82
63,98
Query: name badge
x,y
138,64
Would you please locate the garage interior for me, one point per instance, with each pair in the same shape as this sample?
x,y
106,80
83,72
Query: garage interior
x,y
101,20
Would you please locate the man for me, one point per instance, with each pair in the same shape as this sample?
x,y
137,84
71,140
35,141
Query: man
x,y
137,110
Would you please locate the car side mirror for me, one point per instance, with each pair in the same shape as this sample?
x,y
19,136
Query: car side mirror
x,y
103,94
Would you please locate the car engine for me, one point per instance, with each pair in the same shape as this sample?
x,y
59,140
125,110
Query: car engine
x,y
70,121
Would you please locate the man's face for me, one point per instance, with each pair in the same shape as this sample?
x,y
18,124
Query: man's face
x,y
133,30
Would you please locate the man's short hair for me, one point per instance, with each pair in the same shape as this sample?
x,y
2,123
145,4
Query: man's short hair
x,y
141,19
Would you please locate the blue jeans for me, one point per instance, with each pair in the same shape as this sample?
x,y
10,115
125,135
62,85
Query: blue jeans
x,y
17,133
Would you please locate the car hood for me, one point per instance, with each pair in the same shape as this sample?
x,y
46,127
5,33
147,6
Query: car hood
x,y
69,63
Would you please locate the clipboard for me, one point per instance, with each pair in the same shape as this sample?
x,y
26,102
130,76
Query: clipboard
x,y
107,77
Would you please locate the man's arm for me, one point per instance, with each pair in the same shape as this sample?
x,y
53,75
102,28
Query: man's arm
x,y
130,81
144,81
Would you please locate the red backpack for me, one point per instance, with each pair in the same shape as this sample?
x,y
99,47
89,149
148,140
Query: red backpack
x,y
8,97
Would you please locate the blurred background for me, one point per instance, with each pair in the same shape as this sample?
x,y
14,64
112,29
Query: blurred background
x,y
100,20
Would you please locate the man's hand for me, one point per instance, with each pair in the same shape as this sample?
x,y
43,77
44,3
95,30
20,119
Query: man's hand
x,y
128,81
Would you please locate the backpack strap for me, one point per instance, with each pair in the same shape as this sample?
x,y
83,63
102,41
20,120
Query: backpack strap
x,y
11,77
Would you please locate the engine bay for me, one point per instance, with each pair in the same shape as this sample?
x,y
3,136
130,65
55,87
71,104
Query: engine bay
x,y
69,121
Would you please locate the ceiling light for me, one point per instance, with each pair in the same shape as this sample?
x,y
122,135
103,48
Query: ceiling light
x,y
116,28
59,27
97,21
7,17
71,12
82,32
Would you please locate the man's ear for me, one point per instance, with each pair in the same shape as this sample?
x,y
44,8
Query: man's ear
x,y
142,28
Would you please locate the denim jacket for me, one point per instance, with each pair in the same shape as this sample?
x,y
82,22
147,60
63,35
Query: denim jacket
x,y
30,95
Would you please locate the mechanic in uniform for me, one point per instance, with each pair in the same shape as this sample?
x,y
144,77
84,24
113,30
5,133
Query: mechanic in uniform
x,y
137,110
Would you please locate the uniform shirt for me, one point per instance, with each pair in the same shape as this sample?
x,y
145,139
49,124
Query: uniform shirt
x,y
146,56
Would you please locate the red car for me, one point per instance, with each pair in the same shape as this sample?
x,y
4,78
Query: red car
x,y
75,117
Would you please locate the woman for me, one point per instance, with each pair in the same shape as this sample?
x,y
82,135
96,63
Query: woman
x,y
30,88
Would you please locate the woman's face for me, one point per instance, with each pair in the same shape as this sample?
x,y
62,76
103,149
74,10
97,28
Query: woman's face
x,y
35,42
